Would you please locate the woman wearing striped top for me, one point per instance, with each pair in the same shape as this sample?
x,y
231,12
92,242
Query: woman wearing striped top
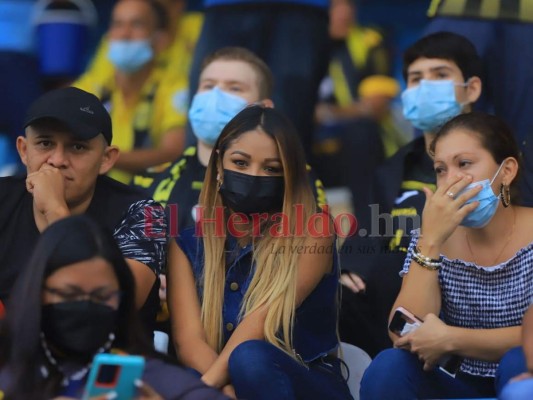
x,y
471,264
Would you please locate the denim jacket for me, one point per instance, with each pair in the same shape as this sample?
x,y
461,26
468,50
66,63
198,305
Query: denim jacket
x,y
315,325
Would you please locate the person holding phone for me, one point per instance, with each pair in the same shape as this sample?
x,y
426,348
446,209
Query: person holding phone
x,y
470,264
253,288
75,300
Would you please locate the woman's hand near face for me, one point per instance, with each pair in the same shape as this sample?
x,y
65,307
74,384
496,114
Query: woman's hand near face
x,y
429,341
444,210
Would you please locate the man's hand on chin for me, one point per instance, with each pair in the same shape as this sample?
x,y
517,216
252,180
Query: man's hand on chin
x,y
48,189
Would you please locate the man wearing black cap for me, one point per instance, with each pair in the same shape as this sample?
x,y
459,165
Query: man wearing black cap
x,y
67,150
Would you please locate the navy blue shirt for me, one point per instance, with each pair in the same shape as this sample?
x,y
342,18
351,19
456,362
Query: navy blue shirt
x,y
315,325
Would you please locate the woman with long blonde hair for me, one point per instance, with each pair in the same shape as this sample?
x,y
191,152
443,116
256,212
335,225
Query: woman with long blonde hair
x,y
253,287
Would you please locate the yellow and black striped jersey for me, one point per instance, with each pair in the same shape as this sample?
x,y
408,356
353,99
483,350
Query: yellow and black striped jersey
x,y
515,10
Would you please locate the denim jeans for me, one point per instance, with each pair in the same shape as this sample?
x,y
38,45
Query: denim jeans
x,y
397,374
513,364
291,39
522,390
260,370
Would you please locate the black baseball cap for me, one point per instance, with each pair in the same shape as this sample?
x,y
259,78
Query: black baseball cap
x,y
81,112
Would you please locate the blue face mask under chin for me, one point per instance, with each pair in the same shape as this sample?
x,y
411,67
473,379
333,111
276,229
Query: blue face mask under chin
x,y
488,203
210,112
431,103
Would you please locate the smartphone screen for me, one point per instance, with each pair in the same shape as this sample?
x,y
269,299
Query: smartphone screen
x,y
403,322
107,375
114,373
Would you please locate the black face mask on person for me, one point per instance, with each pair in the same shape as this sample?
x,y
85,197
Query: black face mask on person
x,y
250,194
78,328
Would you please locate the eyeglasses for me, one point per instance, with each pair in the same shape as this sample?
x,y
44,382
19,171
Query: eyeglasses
x,y
99,296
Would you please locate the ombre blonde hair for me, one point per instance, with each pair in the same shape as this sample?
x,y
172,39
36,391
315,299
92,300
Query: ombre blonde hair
x,y
274,281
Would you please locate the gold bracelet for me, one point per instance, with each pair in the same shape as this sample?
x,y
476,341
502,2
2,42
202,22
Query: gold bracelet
x,y
428,259
426,262
432,267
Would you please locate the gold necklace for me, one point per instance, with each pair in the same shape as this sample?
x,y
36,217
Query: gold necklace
x,y
503,248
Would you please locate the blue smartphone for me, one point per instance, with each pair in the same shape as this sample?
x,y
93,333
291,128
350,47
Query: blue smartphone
x,y
114,373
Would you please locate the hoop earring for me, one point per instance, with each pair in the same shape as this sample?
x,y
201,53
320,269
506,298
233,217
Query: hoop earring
x,y
505,194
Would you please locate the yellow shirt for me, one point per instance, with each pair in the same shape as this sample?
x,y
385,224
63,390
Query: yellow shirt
x,y
519,10
175,60
362,43
143,124
163,102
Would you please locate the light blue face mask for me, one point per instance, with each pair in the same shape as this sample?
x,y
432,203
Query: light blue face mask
x,y
130,55
430,104
210,112
488,203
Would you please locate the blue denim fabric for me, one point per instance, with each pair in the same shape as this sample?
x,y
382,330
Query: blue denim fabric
x,y
291,38
513,363
315,326
522,390
260,371
396,374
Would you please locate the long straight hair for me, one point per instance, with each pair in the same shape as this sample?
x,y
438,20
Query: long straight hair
x,y
275,266
65,242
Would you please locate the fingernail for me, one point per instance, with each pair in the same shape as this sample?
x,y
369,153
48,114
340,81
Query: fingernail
x,y
111,395
138,383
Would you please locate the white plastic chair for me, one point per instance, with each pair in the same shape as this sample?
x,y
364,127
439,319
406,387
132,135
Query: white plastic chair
x,y
357,361
161,342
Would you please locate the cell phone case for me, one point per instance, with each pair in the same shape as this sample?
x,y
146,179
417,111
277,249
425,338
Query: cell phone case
x,y
114,373
405,321
401,318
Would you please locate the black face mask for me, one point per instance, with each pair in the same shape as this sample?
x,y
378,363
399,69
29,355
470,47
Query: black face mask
x,y
250,194
78,328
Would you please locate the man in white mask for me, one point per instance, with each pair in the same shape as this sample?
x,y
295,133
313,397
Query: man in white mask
x,y
442,72
148,123
231,79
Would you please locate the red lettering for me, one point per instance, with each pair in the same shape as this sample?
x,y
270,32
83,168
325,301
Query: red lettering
x,y
173,219
352,221
319,218
236,219
299,208
257,220
218,220
150,221
281,228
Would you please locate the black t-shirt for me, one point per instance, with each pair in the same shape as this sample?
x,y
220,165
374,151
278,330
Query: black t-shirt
x,y
378,256
396,209
177,188
115,206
